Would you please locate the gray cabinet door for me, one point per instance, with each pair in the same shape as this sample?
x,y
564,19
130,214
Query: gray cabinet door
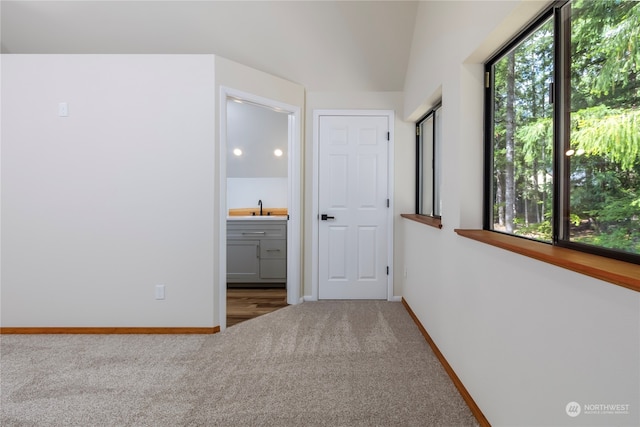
x,y
273,269
243,261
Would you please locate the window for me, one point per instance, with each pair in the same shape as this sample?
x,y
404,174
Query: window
x,y
563,130
428,140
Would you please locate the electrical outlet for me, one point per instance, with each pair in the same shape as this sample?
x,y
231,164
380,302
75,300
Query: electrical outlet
x,y
159,292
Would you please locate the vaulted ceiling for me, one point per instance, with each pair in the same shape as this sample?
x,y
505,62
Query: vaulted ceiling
x,y
323,45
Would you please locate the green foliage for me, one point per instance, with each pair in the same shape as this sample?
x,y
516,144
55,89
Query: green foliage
x,y
604,161
620,208
622,239
608,132
533,136
605,52
605,123
540,231
618,48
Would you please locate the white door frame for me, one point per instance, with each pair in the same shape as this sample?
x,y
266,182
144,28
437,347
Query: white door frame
x,y
315,212
293,195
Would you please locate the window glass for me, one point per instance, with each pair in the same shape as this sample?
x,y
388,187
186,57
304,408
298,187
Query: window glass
x,y
437,144
428,167
425,206
522,172
603,148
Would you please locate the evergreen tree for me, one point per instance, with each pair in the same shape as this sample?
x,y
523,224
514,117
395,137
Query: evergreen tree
x,y
603,150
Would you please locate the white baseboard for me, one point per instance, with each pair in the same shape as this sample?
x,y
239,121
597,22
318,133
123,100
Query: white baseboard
x,y
309,298
395,299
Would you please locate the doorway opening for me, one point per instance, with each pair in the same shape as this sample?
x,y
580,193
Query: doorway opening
x,y
259,206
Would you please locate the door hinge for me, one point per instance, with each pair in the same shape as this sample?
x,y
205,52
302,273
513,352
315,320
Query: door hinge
x,y
417,130
387,202
487,80
388,136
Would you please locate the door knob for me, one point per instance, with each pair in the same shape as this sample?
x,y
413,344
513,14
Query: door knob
x,y
325,217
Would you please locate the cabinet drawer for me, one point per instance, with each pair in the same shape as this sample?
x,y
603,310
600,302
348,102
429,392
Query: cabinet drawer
x,y
256,231
273,249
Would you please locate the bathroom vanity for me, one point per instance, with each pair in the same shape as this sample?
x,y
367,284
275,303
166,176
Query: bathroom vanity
x,y
257,249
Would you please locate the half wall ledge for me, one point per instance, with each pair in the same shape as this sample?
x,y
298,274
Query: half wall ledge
x,y
424,219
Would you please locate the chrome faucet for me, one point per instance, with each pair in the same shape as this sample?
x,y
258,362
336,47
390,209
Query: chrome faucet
x,y
260,204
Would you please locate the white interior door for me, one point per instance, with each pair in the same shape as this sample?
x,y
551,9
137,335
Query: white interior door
x,y
353,204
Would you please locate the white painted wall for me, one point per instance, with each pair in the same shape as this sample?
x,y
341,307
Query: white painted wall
x,y
100,206
240,77
245,192
404,164
258,132
525,337
124,194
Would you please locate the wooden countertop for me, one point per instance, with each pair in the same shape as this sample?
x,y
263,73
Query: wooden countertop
x,y
256,212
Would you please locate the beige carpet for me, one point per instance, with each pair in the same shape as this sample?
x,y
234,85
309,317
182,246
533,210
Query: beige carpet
x,y
331,363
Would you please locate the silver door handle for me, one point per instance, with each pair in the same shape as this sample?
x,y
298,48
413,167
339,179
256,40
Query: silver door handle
x,y
245,233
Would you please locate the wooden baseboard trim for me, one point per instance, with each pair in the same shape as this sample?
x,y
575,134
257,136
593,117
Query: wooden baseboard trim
x,y
105,331
475,409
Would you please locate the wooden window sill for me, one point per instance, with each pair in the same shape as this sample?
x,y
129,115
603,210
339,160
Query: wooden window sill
x,y
423,219
620,273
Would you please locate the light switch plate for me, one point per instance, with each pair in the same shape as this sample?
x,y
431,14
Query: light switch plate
x,y
63,109
159,291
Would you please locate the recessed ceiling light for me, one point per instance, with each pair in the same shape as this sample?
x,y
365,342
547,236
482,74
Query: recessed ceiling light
x,y
278,152
237,152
